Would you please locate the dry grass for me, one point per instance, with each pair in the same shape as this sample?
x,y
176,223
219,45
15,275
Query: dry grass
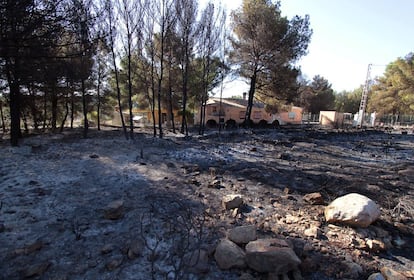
x,y
404,207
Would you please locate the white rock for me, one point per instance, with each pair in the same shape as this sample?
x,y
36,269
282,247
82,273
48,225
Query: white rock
x,y
352,209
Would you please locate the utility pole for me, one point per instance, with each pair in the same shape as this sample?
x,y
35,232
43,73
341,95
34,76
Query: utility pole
x,y
364,98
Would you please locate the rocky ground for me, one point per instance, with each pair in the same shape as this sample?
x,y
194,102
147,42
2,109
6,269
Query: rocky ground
x,y
108,208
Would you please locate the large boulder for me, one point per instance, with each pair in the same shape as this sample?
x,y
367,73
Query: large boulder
x,y
271,255
229,255
352,209
243,234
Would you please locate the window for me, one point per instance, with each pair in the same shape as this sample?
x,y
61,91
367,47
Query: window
x,y
242,115
257,115
292,115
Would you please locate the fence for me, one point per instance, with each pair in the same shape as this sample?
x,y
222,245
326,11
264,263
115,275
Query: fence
x,y
396,120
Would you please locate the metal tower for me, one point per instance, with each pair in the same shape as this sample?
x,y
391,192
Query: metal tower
x,y
364,98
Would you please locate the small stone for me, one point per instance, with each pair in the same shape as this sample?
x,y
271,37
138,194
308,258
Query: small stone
x,y
376,245
135,249
108,248
314,198
114,210
376,276
114,263
324,250
243,234
313,231
290,219
391,274
232,201
229,255
94,156
36,246
36,270
287,191
235,212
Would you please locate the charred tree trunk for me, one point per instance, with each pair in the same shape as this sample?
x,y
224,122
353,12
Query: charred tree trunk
x,y
98,92
25,124
14,87
3,125
252,90
32,106
153,94
15,132
170,106
85,110
72,109
112,47
131,120
44,111
184,126
62,125
54,100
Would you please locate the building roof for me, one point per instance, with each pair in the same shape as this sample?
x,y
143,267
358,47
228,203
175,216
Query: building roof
x,y
234,102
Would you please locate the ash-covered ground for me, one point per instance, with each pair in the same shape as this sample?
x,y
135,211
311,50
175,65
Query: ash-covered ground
x,y
57,192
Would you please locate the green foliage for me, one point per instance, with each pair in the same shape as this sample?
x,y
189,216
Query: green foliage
x,y
393,93
348,101
265,46
317,96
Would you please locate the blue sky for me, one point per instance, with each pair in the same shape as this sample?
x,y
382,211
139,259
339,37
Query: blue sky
x,y
347,36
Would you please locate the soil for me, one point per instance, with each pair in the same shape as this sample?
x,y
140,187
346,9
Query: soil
x,y
109,208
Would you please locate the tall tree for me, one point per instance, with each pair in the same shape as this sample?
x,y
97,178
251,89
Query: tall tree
x,y
149,56
110,26
264,42
20,22
280,87
211,27
186,12
317,96
131,12
100,74
166,25
173,71
394,92
82,26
